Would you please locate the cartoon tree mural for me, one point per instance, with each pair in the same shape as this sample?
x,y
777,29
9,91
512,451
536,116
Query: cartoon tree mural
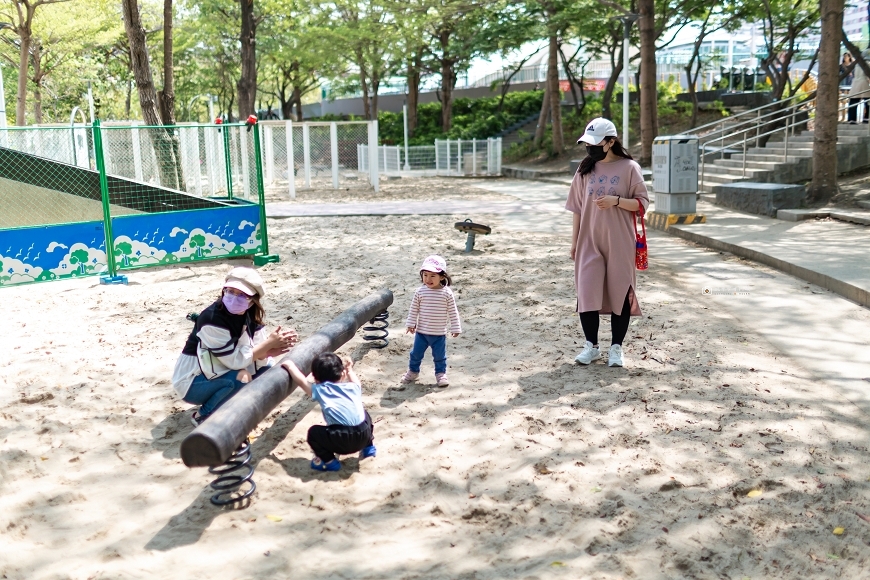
x,y
198,242
125,249
79,257
46,275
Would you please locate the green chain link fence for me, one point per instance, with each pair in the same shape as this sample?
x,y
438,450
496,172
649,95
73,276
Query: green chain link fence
x,y
121,187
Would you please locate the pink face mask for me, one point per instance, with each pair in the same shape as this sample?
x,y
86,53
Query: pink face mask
x,y
236,304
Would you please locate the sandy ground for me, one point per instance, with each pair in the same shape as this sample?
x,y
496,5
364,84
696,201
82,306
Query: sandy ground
x,y
391,189
527,466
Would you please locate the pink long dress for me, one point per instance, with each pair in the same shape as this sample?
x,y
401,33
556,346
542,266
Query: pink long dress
x,y
604,262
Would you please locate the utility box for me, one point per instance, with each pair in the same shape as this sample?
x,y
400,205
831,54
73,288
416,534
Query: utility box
x,y
676,203
675,174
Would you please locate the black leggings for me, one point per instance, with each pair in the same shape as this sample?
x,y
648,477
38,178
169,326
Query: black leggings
x,y
618,323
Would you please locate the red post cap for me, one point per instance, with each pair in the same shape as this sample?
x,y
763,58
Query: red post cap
x,y
218,121
252,120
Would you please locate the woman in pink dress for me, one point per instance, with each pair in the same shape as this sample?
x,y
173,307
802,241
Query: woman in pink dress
x,y
606,192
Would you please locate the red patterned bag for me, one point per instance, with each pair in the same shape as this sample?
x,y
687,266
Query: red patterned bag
x,y
640,253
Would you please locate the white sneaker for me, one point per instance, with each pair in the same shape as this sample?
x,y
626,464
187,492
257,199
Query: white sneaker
x,y
409,377
615,359
588,354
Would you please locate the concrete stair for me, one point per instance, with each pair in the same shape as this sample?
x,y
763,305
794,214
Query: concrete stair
x,y
768,164
519,132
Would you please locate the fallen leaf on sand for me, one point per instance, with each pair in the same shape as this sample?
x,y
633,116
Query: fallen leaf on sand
x,y
754,493
665,530
542,469
595,489
274,518
833,557
839,531
558,564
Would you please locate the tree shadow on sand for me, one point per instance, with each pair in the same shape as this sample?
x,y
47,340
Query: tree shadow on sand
x,y
188,526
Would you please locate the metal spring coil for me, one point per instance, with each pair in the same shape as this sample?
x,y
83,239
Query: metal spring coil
x,y
376,332
229,482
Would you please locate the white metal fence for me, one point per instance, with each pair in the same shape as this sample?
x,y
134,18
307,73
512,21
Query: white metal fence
x,y
318,155
295,156
447,158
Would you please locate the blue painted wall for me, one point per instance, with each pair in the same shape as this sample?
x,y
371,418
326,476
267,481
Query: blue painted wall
x,y
55,252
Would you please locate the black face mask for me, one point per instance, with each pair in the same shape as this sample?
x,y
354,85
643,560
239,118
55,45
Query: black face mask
x,y
596,152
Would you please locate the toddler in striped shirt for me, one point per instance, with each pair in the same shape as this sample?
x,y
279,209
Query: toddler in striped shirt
x,y
433,314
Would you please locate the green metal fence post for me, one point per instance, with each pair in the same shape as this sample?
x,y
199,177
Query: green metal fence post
x,y
113,277
266,257
227,161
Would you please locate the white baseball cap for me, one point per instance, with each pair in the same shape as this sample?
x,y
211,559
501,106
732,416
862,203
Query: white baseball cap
x,y
597,130
434,263
247,280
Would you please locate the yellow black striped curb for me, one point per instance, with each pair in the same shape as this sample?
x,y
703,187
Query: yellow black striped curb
x,y
662,221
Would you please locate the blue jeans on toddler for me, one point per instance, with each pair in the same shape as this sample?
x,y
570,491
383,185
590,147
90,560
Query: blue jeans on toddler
x,y
438,343
211,393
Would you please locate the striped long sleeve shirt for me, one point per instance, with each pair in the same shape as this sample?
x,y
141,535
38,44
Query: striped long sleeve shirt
x,y
434,311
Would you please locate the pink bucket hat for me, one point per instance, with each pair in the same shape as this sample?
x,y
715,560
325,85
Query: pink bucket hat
x,y
434,263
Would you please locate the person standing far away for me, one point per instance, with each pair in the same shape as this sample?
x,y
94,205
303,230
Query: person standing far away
x,y
605,193
859,92
844,67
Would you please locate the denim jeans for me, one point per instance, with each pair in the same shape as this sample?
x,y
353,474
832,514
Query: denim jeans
x,y
212,393
438,343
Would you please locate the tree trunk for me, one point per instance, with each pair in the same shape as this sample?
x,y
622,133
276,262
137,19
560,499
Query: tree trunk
x,y
376,83
298,98
23,62
824,184
448,81
607,96
287,104
572,83
413,79
542,118
168,164
555,96
648,89
691,79
127,101
247,85
167,100
364,86
37,83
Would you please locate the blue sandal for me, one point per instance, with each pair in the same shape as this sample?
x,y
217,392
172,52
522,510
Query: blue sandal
x,y
317,464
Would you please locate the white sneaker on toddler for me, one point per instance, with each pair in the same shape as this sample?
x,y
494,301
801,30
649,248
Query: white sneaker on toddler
x,y
441,379
615,359
409,377
588,354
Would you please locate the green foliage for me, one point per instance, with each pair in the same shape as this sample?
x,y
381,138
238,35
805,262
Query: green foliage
x,y
473,118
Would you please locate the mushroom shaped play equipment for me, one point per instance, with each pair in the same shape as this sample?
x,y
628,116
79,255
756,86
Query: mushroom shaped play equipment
x,y
472,229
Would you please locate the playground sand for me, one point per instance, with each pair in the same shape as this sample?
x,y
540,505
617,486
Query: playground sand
x,y
416,189
527,466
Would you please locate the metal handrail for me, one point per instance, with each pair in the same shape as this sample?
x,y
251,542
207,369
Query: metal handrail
x,y
736,128
790,124
752,111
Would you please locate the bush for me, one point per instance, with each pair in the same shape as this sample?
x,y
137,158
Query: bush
x,y
472,119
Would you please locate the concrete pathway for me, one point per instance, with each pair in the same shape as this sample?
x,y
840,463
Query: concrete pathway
x,y
830,253
825,333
